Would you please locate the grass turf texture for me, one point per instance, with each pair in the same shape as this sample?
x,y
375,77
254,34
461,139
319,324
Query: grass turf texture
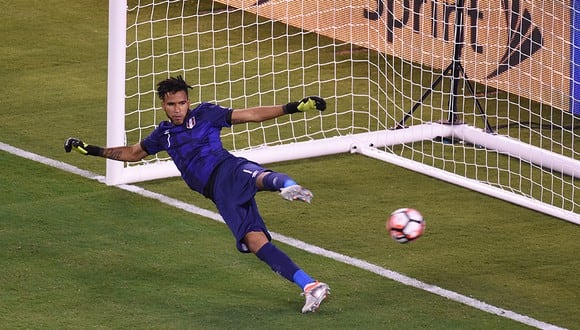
x,y
77,254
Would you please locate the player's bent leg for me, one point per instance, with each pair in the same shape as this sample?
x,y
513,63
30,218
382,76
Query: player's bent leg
x,y
314,292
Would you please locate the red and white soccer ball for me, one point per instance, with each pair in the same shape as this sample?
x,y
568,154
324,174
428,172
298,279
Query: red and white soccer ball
x,y
405,225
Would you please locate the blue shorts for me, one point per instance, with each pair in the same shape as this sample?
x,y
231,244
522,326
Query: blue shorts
x,y
234,190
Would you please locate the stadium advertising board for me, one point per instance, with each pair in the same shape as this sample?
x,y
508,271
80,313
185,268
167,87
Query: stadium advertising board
x,y
519,46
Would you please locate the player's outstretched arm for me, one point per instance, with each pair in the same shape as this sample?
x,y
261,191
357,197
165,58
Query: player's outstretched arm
x,y
127,153
259,114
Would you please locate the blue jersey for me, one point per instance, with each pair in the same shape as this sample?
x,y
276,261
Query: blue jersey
x,y
195,146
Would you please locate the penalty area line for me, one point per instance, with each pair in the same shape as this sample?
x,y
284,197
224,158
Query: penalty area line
x,y
392,275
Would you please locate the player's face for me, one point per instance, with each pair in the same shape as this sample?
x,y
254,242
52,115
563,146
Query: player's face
x,y
176,106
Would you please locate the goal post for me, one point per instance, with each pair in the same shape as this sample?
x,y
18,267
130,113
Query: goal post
x,y
115,171
481,94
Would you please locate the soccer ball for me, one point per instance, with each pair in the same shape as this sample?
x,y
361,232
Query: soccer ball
x,y
405,225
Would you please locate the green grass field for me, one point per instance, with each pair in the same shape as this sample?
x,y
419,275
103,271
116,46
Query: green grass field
x,y
75,253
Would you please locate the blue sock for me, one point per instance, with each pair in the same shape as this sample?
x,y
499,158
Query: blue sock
x,y
278,261
275,181
302,279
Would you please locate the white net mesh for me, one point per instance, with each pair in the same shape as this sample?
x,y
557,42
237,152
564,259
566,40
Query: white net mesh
x,y
379,65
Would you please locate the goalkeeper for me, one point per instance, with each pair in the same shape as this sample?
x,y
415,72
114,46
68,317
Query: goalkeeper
x,y
192,139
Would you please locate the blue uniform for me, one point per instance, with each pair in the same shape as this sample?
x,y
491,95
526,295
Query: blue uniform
x,y
208,168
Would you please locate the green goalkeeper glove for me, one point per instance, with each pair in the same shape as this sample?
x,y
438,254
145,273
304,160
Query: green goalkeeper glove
x,y
306,104
81,147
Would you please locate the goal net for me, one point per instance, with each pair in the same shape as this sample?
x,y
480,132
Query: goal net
x,y
484,94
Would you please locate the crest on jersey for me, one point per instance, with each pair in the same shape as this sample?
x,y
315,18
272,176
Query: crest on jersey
x,y
190,123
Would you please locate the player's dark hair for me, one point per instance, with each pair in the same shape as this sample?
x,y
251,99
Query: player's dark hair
x,y
172,85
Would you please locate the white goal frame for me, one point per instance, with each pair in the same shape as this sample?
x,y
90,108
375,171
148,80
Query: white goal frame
x,y
373,144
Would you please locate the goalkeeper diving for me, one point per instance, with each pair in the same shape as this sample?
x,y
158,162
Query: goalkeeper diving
x,y
192,138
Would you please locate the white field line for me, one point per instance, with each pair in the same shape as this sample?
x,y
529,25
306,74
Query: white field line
x,y
392,275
